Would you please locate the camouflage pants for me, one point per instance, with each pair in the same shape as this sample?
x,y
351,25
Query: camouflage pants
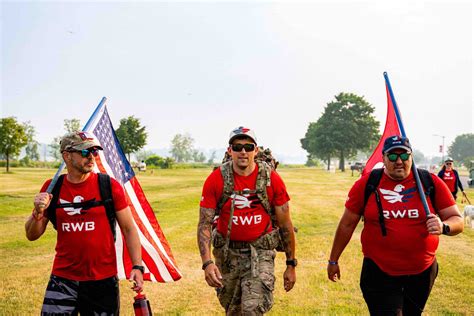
x,y
248,279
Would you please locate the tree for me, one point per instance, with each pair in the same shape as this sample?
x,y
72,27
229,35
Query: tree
x,y
419,157
346,126
462,149
182,147
31,149
70,126
211,158
198,156
131,135
13,138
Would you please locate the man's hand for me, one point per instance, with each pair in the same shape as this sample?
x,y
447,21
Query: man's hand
x,y
434,225
334,273
289,278
213,276
136,277
41,203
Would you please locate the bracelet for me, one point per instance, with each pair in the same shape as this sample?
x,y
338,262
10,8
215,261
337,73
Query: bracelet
x,y
141,268
332,263
206,264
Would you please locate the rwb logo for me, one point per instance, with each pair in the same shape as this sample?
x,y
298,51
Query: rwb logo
x,y
71,210
397,194
242,201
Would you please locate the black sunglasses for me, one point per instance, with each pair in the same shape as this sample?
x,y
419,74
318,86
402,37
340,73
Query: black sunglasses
x,y
85,152
403,156
246,147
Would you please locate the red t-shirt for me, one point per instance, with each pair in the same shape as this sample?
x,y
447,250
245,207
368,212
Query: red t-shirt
x,y
85,247
250,220
407,248
450,179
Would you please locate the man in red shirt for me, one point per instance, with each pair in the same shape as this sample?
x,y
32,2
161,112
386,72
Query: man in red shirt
x,y
398,240
451,177
83,278
244,238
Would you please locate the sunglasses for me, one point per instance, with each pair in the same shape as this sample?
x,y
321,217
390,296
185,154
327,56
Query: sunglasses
x,y
246,147
449,163
85,152
403,156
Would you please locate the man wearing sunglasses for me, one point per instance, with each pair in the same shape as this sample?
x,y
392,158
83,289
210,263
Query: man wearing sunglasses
x,y
451,177
83,279
244,238
398,240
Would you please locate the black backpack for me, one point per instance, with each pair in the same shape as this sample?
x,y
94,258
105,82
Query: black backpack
x,y
374,180
105,188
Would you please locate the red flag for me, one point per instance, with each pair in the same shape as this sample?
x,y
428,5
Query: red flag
x,y
391,129
157,258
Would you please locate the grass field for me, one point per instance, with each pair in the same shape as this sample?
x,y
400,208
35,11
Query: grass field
x,y
317,203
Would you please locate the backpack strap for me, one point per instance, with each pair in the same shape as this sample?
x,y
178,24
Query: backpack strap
x,y
372,183
51,210
371,187
105,188
263,181
228,178
428,184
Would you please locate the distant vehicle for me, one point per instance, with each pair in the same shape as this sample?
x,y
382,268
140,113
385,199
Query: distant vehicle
x,y
358,166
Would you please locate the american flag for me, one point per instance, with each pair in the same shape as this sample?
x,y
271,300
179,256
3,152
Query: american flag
x,y
160,265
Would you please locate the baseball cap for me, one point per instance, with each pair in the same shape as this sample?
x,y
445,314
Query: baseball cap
x,y
449,159
242,131
78,141
396,141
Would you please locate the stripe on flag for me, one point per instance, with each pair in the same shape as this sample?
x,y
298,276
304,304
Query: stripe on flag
x,y
157,258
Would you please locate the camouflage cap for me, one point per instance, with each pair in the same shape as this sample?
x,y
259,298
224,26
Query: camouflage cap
x,y
240,132
78,141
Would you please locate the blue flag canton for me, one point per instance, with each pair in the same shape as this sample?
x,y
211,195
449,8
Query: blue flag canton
x,y
113,153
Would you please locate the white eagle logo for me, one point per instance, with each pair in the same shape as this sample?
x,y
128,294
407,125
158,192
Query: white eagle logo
x,y
393,196
71,210
241,201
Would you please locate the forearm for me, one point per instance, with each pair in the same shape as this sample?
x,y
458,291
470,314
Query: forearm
x,y
456,225
133,246
204,232
287,234
343,234
34,228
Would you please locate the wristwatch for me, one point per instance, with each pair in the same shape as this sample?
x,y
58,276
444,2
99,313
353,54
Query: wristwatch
x,y
292,262
446,229
137,267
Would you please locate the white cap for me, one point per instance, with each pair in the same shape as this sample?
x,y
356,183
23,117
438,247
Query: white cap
x,y
242,131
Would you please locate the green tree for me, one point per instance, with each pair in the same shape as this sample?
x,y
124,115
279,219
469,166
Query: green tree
x,y
131,135
13,138
462,149
346,126
182,147
154,160
31,149
70,126
198,156
211,158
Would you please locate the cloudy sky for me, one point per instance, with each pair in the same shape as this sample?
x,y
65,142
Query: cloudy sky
x,y
204,68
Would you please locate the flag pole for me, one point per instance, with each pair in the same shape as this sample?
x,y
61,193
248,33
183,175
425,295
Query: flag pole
x,y
402,130
63,165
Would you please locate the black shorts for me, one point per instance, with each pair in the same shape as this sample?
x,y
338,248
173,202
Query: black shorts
x,y
396,295
67,297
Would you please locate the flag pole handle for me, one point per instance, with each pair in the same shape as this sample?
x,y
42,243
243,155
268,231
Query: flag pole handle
x,y
419,186
63,165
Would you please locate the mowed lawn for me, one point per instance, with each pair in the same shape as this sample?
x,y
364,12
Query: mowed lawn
x,y
317,202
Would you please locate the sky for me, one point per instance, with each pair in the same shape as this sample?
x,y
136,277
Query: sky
x,y
203,68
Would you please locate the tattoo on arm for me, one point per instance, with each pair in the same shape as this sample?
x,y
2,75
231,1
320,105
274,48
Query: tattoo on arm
x,y
206,216
287,233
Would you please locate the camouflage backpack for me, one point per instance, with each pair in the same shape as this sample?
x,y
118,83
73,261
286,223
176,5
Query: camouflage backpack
x,y
266,163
